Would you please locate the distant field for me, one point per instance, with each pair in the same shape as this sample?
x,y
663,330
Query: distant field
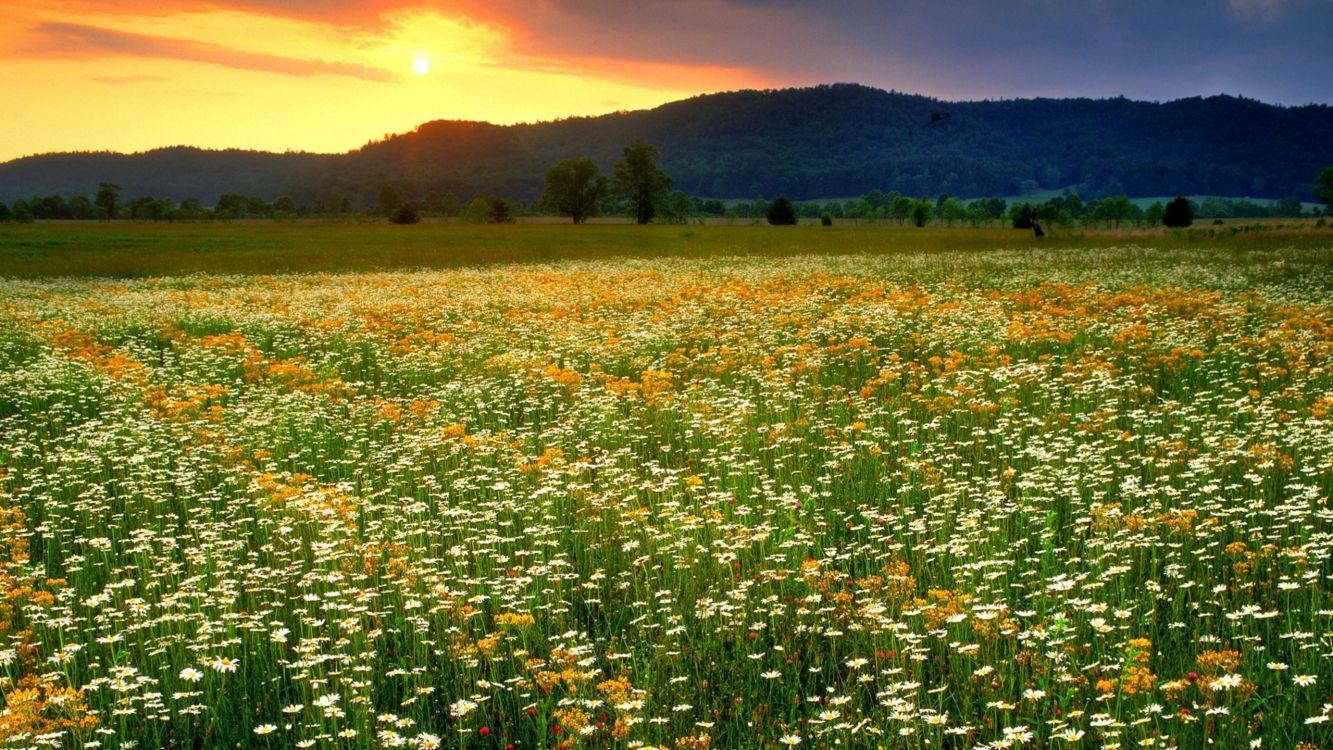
x,y
136,250
664,488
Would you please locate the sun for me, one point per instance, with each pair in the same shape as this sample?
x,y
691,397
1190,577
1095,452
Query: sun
x,y
421,66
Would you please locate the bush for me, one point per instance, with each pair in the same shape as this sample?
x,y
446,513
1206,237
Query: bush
x,y
1179,213
478,211
501,212
406,213
825,220
781,212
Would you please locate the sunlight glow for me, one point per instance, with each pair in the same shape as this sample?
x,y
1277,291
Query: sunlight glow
x,y
421,66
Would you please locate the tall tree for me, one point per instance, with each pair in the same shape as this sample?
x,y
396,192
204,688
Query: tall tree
x,y
1178,213
107,200
781,211
641,182
1323,186
388,200
575,188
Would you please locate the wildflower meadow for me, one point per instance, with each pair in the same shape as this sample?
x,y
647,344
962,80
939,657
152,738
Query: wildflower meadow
x,y
998,499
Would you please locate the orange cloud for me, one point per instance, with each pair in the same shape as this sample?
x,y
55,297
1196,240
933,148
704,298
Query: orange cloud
x,y
77,40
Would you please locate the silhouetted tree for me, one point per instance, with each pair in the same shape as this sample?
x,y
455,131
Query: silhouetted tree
x,y
1178,213
1021,215
501,212
781,212
575,188
641,182
387,201
107,200
405,213
1323,186
922,212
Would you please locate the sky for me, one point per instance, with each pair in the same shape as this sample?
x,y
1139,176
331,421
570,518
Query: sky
x,y
330,75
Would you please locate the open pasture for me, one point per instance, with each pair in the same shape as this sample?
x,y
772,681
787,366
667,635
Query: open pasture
x,y
961,491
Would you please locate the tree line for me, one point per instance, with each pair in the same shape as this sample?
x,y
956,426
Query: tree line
x,y
640,189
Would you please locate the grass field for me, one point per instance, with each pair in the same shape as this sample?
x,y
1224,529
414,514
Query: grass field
x,y
674,487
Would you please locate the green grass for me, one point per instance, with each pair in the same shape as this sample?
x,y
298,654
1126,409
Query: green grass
x,y
138,250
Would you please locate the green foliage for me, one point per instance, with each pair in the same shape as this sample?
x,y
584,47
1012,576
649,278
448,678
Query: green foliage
x,y
803,143
1021,215
405,213
1323,186
1152,215
781,212
677,207
1178,213
1115,210
922,212
575,188
107,200
6,215
22,214
387,201
825,220
952,211
641,182
478,211
502,212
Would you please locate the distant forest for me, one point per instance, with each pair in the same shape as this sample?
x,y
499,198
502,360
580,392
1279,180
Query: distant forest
x,y
812,143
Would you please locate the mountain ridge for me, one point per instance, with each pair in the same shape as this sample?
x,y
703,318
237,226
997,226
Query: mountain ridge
x,y
812,142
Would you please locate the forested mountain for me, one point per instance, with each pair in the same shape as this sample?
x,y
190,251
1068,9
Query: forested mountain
x,y
824,141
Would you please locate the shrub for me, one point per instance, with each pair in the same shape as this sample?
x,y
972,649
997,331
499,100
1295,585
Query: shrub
x,y
1179,213
406,213
781,212
501,212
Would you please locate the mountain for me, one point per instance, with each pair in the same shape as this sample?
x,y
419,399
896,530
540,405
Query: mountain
x,y
823,141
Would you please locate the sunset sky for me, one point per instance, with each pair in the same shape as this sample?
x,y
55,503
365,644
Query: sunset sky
x,y
130,75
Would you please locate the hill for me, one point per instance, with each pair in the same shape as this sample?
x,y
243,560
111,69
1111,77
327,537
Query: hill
x,y
831,140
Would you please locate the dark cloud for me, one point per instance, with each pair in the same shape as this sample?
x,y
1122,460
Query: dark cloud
x,y
1275,50
77,40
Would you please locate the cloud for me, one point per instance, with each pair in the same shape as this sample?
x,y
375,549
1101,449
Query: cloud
x,y
129,80
78,40
1268,10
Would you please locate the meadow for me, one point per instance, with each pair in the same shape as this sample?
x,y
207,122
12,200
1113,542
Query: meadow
x,y
665,487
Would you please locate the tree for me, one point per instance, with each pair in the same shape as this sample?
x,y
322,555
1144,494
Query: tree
x,y
107,200
1114,210
922,212
388,201
1021,215
22,214
477,211
406,213
901,208
1323,186
575,188
1152,215
5,215
781,212
676,209
641,182
951,210
1178,213
501,212
449,205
